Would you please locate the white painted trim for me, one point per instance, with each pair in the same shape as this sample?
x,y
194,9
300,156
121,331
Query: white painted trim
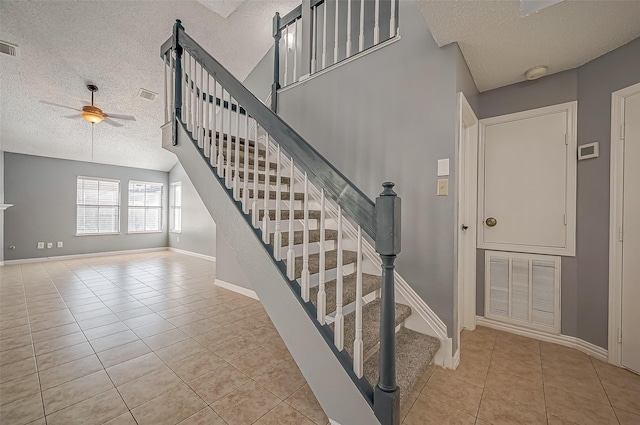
x,y
467,151
564,340
76,256
193,254
616,220
307,78
5,206
235,288
571,108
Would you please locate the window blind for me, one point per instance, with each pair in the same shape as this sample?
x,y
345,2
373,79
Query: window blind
x,y
175,207
98,206
145,207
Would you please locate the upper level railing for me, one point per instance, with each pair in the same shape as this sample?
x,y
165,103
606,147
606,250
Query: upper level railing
x,y
321,33
195,83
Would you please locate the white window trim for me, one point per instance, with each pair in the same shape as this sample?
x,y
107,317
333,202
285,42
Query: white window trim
x,y
173,207
139,232
571,108
119,206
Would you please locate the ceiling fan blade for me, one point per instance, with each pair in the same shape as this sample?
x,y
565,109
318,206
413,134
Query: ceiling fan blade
x,y
112,122
121,117
72,117
60,106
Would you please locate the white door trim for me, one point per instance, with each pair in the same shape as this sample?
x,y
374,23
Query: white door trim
x,y
467,159
615,221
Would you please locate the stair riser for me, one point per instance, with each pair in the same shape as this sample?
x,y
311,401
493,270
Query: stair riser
x,y
284,225
330,274
297,205
351,308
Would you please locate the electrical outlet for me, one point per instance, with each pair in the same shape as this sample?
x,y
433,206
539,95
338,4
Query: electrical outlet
x,y
177,238
443,187
40,245
49,245
60,244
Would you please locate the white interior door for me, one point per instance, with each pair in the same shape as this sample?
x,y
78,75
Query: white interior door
x,y
527,182
631,236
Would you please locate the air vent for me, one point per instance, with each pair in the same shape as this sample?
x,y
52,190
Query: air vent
x,y
147,94
8,49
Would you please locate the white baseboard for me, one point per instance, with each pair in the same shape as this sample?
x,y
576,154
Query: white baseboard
x,y
193,254
235,288
77,256
567,341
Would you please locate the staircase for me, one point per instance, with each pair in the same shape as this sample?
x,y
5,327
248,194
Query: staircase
x,y
316,227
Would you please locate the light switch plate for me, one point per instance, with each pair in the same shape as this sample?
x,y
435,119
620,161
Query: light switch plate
x,y
443,167
40,245
443,187
49,245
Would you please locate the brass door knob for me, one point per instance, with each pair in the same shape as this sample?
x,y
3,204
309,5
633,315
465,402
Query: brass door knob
x,y
491,222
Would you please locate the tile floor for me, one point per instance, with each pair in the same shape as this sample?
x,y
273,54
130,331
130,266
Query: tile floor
x,y
148,339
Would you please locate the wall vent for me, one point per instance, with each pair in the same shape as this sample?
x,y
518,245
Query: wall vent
x,y
147,94
8,49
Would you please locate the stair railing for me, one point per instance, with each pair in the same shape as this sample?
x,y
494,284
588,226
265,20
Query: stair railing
x,y
321,33
195,83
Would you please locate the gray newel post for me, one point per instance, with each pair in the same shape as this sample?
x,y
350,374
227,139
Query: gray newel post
x,y
277,33
178,81
386,398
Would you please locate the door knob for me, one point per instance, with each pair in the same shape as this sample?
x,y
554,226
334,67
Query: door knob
x,y
491,222
464,227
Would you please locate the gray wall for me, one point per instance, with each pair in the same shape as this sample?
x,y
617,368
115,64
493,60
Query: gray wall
x,y
390,116
585,277
43,191
228,268
198,229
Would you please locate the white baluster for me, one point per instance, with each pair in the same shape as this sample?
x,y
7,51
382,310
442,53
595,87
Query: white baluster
x,y
392,20
183,81
277,237
322,294
245,168
194,107
236,162
291,264
265,216
228,153
215,139
348,54
201,134
361,36
358,354
335,36
166,94
286,56
324,35
305,243
376,25
207,123
187,105
339,319
172,88
295,52
254,202
314,39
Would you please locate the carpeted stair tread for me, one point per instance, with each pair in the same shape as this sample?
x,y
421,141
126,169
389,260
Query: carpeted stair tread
x,y
370,283
414,352
261,163
272,178
330,261
285,196
298,236
284,214
370,325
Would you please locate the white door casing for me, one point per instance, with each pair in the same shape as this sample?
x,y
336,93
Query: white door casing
x,y
467,180
624,243
527,181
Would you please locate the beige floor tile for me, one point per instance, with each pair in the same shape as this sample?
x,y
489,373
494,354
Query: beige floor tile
x,y
235,348
528,368
65,355
481,422
623,398
470,370
305,402
95,410
98,321
215,337
174,311
15,342
481,336
72,392
627,418
499,410
616,376
585,384
149,386
14,331
105,330
17,369
578,409
147,319
185,319
218,383
456,393
516,388
197,365
16,354
58,343
111,341
283,380
179,351
429,411
199,327
124,419
257,362
204,417
246,404
165,339
134,368
19,388
69,371
169,408
515,344
22,411
557,420
133,313
153,329
123,353
283,414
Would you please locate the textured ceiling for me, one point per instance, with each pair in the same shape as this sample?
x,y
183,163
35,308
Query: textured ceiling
x,y
63,45
223,8
499,45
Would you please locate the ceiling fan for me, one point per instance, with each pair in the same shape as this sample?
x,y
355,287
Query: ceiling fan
x,y
93,114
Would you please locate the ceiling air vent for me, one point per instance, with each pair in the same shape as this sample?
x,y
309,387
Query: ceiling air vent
x,y
147,94
8,49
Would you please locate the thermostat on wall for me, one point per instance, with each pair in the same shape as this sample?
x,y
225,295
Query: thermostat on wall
x,y
591,150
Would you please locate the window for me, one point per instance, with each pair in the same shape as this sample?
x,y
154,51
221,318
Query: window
x,y
98,206
175,208
145,207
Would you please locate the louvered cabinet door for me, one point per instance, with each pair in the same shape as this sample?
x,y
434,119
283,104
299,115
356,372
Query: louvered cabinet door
x,y
523,289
